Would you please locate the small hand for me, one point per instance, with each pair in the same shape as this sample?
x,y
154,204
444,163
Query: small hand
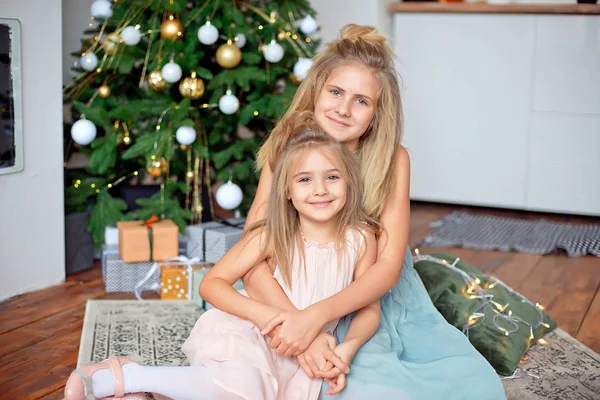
x,y
298,330
319,352
337,383
345,351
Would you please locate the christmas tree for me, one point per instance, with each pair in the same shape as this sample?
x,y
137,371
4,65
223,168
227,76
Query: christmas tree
x,y
180,94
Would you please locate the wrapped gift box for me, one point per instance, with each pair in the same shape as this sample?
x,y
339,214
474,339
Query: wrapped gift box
x,y
139,241
111,236
175,279
197,276
120,276
211,240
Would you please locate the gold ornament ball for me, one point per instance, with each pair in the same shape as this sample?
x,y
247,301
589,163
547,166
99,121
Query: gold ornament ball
x,y
164,165
171,28
192,87
104,91
183,147
156,81
189,174
228,55
111,43
281,35
154,171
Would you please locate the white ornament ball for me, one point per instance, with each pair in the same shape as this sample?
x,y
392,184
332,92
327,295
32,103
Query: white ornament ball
x,y
229,196
301,67
308,25
273,52
131,36
240,40
208,34
101,9
171,72
229,104
185,135
88,61
83,132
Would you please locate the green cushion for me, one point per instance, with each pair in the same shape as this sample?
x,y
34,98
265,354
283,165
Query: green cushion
x,y
448,289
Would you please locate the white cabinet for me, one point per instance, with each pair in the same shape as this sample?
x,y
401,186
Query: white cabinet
x,y
564,163
500,108
566,72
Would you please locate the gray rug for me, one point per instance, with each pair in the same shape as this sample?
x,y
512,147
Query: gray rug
x,y
496,233
153,332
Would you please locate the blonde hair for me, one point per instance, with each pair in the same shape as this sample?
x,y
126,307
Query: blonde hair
x,y
281,224
362,45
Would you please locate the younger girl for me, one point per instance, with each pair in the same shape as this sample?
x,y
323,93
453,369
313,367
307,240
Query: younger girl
x,y
315,240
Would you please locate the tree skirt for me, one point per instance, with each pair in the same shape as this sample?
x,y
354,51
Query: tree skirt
x,y
496,233
152,332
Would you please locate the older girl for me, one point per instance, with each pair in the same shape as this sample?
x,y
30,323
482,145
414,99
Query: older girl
x,y
353,91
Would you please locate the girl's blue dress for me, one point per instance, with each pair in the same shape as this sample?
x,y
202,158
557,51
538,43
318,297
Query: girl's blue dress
x,y
415,354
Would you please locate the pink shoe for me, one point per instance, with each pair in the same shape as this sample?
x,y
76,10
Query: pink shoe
x,y
79,384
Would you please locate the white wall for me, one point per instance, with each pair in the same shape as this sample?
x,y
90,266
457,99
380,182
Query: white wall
x,y
333,14
32,254
76,19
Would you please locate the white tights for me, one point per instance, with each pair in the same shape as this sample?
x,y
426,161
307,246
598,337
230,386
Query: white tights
x,y
178,383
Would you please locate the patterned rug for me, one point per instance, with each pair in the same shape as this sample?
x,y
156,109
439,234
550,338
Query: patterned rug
x,y
153,331
496,233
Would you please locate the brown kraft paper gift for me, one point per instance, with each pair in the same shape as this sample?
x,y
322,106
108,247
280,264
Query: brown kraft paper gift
x,y
134,240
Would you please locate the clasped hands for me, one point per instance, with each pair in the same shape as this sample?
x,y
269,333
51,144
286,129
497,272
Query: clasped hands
x,y
297,333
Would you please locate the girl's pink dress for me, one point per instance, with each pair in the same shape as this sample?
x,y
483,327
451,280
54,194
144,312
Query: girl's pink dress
x,y
239,358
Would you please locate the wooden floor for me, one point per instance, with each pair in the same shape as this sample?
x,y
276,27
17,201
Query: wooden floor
x,y
40,331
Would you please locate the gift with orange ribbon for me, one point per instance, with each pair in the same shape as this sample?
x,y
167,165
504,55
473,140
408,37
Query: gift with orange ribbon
x,y
149,240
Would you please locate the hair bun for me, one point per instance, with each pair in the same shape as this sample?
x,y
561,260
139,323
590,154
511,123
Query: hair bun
x,y
365,33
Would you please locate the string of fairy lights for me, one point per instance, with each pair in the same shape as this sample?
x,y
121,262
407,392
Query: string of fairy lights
x,y
477,287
